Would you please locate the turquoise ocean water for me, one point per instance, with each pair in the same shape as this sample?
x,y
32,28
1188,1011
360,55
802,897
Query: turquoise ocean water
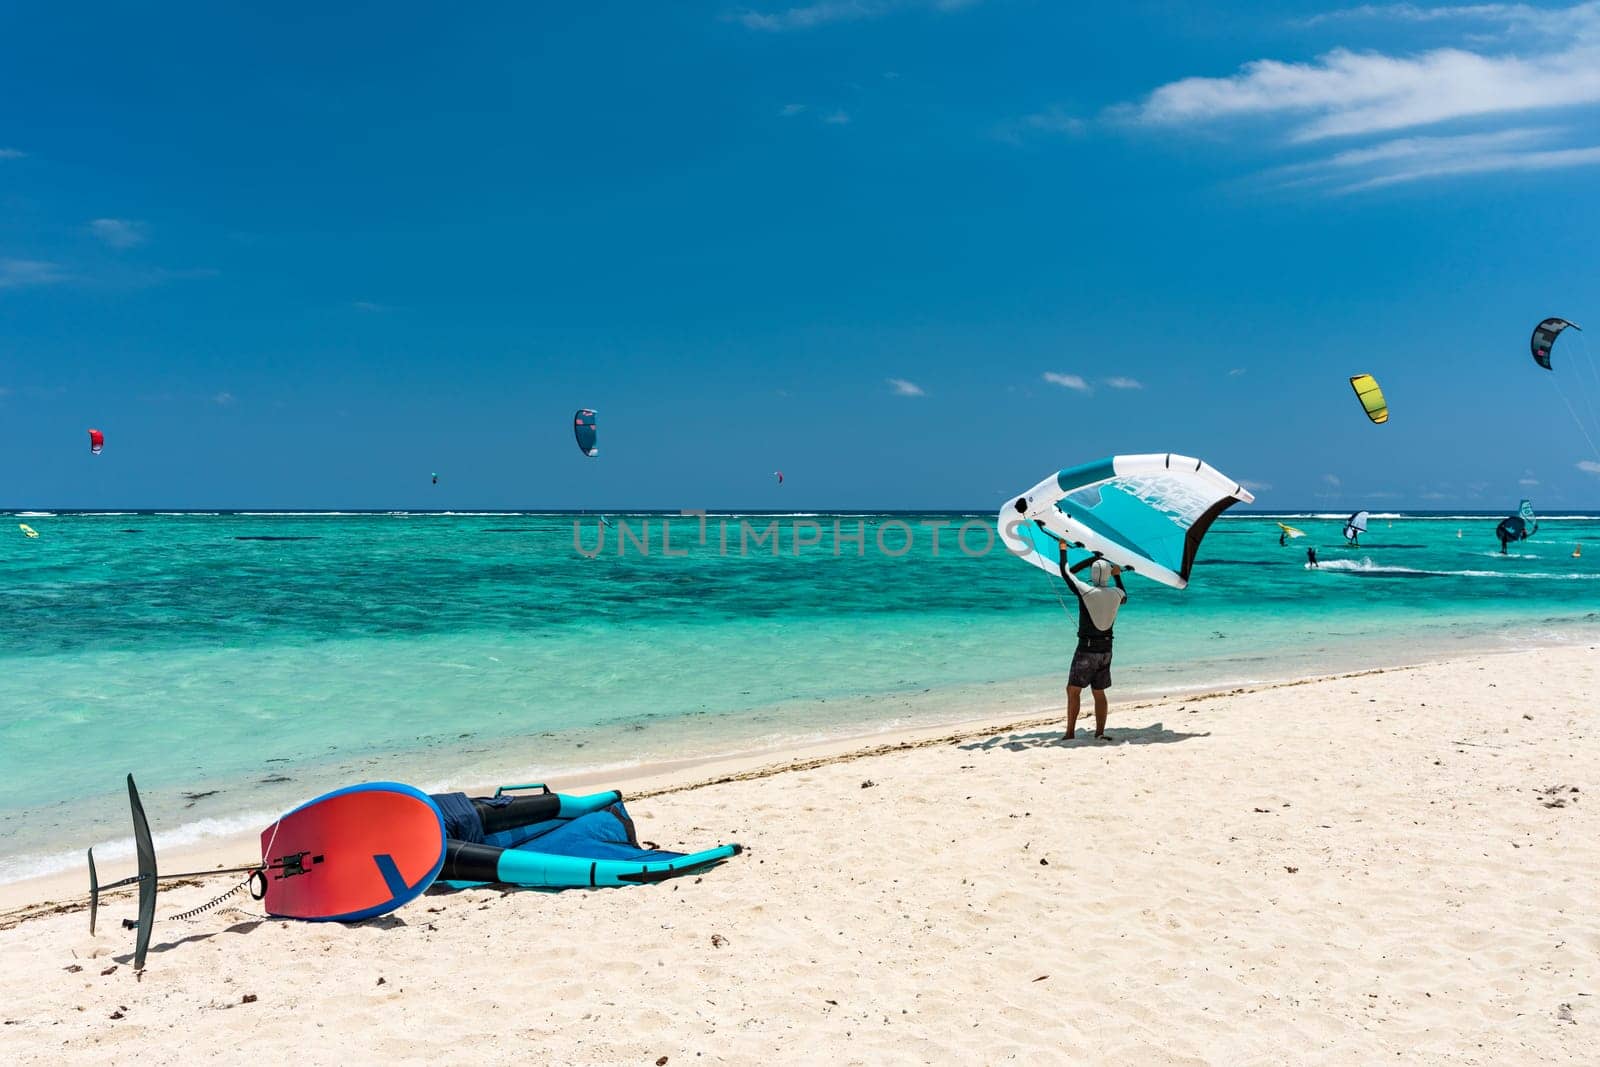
x,y
237,663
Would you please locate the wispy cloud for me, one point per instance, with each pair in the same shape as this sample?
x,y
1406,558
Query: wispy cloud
x,y
1235,372
1067,381
1511,15
902,387
1124,383
223,399
1527,483
1412,159
12,153
1255,487
1589,465
837,118
16,273
1551,63
1332,479
119,233
1051,122
789,111
368,306
827,12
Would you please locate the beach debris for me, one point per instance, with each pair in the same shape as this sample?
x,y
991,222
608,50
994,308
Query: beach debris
x,y
1041,978
73,968
382,980
248,998
109,970
1262,811
1564,1014
1559,795
662,1062
1292,870
717,941
1043,862
117,1014
868,784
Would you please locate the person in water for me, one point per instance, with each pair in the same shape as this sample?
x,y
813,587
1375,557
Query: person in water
x,y
1283,538
1098,604
1311,556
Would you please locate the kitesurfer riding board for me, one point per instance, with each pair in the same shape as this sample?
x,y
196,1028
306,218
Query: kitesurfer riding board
x,y
1098,604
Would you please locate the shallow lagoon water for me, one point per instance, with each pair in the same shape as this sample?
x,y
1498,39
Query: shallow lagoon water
x,y
237,663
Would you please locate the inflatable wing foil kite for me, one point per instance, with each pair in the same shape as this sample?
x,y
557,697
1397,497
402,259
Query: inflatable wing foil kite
x,y
558,842
1145,513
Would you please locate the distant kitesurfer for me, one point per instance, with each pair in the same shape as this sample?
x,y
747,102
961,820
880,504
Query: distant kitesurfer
x,y
1098,605
1283,538
1311,556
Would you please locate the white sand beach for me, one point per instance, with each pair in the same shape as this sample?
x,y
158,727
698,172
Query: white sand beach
x,y
1398,866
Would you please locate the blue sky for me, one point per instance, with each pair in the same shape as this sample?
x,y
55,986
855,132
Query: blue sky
x,y
912,253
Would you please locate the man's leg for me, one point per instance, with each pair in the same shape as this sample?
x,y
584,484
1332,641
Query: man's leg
x,y
1073,693
1100,709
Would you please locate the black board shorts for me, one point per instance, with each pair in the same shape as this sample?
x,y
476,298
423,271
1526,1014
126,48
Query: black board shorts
x,y
1090,670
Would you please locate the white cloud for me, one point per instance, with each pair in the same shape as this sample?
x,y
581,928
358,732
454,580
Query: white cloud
x,y
1235,372
1527,483
826,12
118,233
1124,383
1589,465
837,118
902,387
1536,61
1345,93
1067,381
1332,479
1255,487
789,111
12,153
15,273
223,399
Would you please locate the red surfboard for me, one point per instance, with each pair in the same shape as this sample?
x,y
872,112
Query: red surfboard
x,y
352,854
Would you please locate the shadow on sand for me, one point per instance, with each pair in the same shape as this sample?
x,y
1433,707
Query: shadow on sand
x,y
158,947
1154,734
